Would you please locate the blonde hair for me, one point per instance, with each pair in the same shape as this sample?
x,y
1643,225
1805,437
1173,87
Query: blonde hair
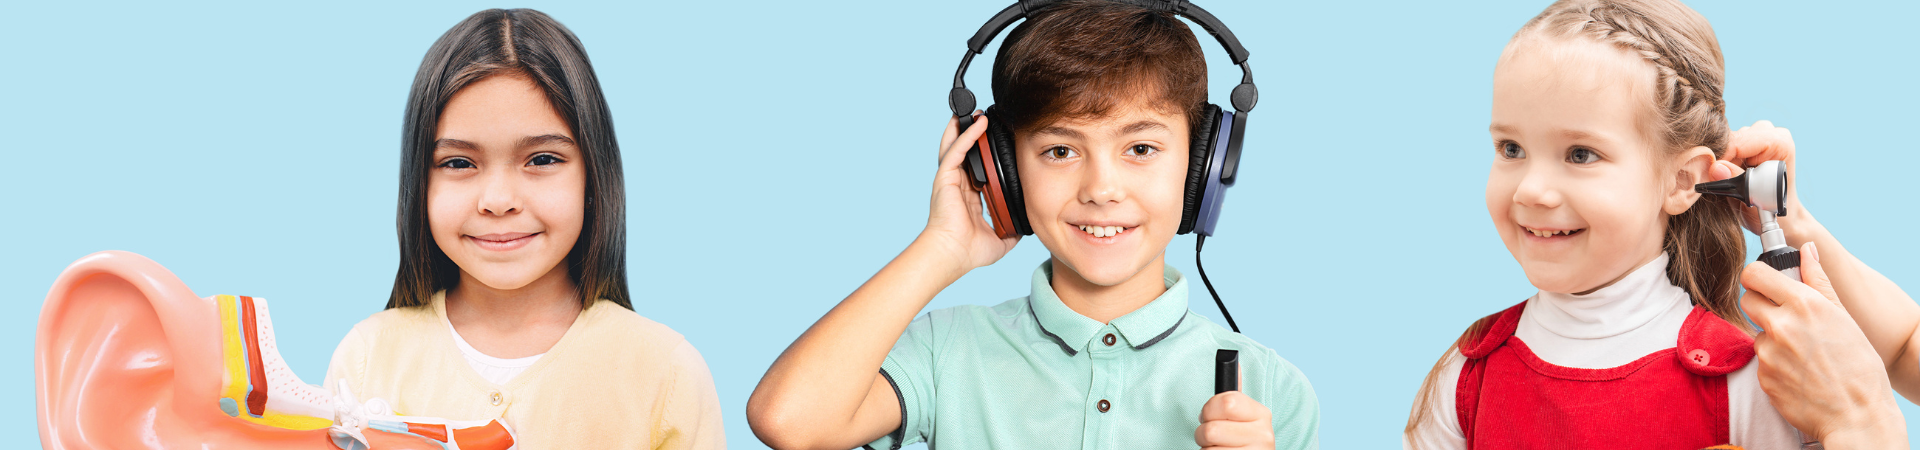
x,y
1689,109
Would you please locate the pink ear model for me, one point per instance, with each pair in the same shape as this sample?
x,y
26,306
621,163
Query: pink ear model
x,y
127,357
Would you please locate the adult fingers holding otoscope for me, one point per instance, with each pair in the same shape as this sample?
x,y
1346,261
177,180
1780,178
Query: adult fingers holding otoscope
x,y
1812,363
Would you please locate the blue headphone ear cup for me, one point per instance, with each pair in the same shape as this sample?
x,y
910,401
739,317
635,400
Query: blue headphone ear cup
x,y
1199,163
1000,138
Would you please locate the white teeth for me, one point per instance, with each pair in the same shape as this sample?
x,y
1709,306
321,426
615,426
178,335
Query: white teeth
x,y
1098,231
1545,233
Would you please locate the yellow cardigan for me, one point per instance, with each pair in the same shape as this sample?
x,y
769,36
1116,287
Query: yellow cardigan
x,y
615,380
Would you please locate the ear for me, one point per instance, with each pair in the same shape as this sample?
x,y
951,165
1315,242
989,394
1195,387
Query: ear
x,y
1689,168
127,357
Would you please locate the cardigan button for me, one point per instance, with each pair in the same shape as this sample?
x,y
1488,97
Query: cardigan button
x,y
494,398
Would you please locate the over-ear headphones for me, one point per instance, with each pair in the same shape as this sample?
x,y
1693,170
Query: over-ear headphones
x,y
1214,151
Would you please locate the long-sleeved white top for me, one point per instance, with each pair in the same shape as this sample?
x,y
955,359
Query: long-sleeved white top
x,y
1615,325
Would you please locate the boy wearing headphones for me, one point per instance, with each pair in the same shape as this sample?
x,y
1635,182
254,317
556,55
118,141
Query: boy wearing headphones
x,y
1099,102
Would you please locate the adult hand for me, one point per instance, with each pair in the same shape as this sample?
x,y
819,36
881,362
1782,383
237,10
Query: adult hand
x,y
954,220
1751,145
1232,420
1815,364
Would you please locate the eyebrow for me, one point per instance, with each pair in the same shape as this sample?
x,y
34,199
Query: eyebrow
x,y
1143,125
1498,128
526,142
1060,131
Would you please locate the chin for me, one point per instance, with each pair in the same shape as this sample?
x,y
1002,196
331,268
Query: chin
x,y
1557,278
1101,271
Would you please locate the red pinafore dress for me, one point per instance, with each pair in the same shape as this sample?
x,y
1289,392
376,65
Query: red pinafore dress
x,y
1509,398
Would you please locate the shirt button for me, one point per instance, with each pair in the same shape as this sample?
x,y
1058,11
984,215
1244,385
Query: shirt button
x,y
1103,405
1109,340
494,398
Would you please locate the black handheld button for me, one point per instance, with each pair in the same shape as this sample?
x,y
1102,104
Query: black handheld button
x,y
1226,371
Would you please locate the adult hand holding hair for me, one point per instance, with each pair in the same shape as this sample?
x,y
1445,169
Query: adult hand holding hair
x,y
1815,364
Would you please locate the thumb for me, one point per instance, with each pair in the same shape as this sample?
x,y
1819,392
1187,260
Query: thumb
x,y
1816,276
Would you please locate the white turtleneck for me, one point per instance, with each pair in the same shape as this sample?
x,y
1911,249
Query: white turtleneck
x,y
1610,327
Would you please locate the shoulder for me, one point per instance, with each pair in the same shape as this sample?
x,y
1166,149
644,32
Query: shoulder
x,y
1711,346
610,323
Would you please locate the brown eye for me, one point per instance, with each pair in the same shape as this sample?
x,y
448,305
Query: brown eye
x,y
1142,150
1060,152
544,159
457,163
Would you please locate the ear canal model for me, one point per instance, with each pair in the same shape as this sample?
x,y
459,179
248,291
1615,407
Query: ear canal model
x,y
127,357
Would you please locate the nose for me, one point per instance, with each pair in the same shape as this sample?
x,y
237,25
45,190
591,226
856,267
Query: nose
x,y
1100,183
1537,190
500,194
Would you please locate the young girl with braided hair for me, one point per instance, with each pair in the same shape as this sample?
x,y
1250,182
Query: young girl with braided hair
x,y
1605,115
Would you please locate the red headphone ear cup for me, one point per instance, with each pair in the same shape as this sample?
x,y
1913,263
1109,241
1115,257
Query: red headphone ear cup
x,y
992,190
1199,156
999,139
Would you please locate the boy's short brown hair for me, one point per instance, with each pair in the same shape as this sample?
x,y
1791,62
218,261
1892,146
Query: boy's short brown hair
x,y
1083,58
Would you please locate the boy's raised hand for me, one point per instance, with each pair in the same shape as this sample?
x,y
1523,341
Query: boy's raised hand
x,y
954,221
1232,420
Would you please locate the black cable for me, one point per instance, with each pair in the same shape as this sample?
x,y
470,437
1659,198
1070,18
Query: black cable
x,y
1198,244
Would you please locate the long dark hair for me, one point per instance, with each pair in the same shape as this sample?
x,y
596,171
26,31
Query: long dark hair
x,y
525,43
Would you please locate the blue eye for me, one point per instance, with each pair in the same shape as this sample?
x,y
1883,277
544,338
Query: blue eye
x,y
1511,150
544,159
458,163
1583,156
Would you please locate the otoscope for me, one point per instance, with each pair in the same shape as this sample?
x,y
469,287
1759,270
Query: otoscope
x,y
1764,187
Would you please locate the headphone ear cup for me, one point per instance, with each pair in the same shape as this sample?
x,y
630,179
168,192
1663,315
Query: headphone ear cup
x,y
1199,158
999,138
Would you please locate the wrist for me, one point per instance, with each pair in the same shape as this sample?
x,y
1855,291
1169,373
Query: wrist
x,y
1885,430
939,255
1800,228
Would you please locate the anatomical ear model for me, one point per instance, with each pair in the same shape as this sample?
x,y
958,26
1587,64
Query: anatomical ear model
x,y
128,357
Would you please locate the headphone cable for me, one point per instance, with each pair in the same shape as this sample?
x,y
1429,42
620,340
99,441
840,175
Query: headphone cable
x,y
1199,243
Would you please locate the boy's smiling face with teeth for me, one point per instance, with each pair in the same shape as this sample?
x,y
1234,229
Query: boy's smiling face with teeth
x,y
1104,195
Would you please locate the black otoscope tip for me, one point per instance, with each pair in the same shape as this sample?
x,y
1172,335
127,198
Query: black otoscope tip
x,y
1735,187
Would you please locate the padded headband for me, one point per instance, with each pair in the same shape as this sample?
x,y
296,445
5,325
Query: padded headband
x,y
1244,96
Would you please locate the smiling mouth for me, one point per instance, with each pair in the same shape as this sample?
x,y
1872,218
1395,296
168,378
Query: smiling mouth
x,y
1104,231
1552,233
508,241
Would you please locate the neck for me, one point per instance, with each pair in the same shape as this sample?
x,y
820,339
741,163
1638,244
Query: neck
x,y
550,299
1623,275
1105,303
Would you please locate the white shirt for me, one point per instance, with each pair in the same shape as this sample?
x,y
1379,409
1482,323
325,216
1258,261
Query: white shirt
x,y
1610,327
495,370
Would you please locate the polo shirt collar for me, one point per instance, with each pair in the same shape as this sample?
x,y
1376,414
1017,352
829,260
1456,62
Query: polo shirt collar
x,y
1141,328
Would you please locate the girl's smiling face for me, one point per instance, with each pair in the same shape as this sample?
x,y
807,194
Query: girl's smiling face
x,y
1105,195
1579,191
506,194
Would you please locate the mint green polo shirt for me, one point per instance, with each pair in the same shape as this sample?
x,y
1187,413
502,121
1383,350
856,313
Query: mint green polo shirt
x,y
1031,373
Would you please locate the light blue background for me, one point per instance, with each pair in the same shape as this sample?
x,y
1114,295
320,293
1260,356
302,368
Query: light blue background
x,y
778,153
